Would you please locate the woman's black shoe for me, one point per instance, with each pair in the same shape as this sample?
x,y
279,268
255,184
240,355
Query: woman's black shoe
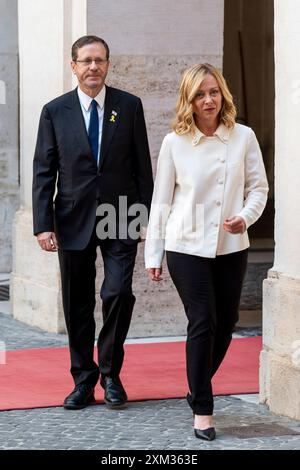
x,y
208,434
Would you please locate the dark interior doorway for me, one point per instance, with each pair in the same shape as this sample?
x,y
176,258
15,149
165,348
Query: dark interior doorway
x,y
248,66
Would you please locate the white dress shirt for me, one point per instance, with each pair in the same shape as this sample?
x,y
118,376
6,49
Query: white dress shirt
x,y
85,102
200,182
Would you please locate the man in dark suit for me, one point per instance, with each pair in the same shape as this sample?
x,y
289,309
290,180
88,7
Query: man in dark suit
x,y
92,147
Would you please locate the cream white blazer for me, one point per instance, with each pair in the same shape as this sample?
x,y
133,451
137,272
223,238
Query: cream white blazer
x,y
201,181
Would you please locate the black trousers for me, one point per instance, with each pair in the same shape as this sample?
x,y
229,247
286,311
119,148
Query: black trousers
x,y
78,273
210,289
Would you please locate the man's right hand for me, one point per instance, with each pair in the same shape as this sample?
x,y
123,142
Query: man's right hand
x,y
47,241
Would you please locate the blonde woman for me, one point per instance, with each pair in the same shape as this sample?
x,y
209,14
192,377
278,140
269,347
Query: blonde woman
x,y
210,187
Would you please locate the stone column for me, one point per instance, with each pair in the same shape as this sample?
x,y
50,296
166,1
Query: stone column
x,y
280,358
46,33
9,140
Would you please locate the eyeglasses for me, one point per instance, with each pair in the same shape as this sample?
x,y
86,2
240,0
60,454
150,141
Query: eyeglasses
x,y
88,62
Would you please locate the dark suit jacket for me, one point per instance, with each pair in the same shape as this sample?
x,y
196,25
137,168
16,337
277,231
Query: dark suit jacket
x,y
63,159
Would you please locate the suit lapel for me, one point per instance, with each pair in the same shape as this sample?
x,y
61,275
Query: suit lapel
x,y
77,124
110,122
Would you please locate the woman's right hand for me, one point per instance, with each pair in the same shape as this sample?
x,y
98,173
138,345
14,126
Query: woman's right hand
x,y
155,274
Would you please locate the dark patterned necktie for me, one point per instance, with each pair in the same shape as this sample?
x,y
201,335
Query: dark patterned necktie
x,y
94,130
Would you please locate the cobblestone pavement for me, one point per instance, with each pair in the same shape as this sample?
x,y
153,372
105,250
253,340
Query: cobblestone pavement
x,y
159,424
17,335
241,423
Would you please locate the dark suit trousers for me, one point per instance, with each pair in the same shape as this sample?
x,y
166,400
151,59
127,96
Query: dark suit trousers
x,y
210,289
78,273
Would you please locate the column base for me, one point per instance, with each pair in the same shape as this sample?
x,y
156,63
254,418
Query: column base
x,y
280,357
35,279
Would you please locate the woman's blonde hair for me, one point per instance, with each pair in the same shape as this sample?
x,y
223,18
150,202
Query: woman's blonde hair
x,y
190,84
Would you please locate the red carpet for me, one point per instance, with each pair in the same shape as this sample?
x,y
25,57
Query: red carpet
x,y
36,378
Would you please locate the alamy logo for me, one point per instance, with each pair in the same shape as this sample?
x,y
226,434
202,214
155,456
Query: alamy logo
x,y
124,221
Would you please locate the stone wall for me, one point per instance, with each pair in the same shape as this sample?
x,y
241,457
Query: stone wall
x,y
151,44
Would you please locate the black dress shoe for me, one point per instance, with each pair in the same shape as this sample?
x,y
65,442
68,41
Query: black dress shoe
x,y
115,396
208,434
82,396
